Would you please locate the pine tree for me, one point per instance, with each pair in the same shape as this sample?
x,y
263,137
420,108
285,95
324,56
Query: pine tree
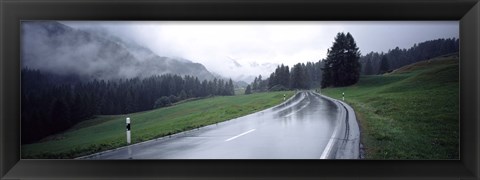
x,y
59,115
182,95
384,65
254,84
368,68
248,90
327,74
341,66
299,77
271,81
285,78
230,88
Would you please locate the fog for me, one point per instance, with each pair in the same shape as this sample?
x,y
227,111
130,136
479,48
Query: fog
x,y
241,50
95,54
58,49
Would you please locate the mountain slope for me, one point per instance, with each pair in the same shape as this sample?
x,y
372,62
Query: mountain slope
x,y
411,113
56,48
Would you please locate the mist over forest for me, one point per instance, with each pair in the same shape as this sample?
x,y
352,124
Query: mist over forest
x,y
70,75
56,48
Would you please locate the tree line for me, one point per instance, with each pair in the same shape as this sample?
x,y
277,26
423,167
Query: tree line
x,y
379,63
344,64
53,103
340,68
300,76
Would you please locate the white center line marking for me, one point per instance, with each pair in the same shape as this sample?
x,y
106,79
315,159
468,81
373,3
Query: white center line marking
x,y
240,135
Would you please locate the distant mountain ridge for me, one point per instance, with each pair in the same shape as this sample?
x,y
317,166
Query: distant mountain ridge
x,y
56,48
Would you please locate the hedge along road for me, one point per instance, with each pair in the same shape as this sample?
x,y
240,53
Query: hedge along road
x,y
306,126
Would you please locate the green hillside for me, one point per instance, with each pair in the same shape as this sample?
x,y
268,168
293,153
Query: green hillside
x,y
411,113
108,132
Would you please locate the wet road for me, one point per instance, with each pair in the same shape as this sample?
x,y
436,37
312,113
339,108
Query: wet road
x,y
300,128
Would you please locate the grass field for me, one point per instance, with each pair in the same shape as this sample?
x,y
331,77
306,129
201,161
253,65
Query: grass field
x,y
411,113
239,91
108,132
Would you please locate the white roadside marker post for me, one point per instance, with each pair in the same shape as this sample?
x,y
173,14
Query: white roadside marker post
x,y
284,97
343,96
129,138
128,131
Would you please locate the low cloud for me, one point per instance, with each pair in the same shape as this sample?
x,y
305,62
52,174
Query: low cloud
x,y
255,43
59,49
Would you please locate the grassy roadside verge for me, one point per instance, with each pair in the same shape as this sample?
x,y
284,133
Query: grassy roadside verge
x,y
412,113
108,132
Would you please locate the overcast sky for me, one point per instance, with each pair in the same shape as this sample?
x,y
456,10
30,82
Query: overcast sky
x,y
234,49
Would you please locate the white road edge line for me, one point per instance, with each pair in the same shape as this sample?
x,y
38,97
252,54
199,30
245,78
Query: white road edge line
x,y
330,143
329,146
240,135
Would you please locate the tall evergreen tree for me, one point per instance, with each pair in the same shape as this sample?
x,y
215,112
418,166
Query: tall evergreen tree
x,y
299,77
259,83
271,81
368,68
59,116
248,90
285,76
384,65
341,66
255,84
230,88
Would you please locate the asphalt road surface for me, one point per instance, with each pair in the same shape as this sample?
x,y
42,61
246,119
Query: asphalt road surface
x,y
307,126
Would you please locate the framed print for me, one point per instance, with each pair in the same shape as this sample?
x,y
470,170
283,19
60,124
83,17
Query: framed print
x,y
239,89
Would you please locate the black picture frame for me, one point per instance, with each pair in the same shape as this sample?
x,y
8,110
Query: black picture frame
x,y
12,12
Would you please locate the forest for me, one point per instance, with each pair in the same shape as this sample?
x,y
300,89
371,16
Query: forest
x,y
53,103
311,75
300,76
395,58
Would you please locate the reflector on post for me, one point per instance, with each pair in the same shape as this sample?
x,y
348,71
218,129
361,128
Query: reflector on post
x,y
128,130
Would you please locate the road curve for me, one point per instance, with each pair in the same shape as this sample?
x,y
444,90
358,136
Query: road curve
x,y
306,126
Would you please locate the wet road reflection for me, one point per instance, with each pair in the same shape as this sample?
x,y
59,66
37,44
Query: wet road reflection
x,y
298,129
